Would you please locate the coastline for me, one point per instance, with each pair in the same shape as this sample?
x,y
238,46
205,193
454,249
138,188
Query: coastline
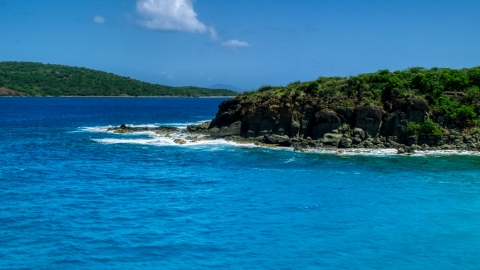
x,y
197,135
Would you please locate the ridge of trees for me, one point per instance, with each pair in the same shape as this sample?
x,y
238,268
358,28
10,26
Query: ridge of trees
x,y
37,79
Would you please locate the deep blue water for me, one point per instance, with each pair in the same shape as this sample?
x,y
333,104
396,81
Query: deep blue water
x,y
76,197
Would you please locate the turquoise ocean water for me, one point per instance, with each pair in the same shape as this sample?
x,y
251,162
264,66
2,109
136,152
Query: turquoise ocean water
x,y
74,196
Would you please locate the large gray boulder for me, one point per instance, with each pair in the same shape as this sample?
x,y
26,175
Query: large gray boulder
x,y
232,130
332,138
283,140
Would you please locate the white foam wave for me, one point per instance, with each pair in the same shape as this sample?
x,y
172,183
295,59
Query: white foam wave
x,y
94,129
182,125
163,140
356,151
446,153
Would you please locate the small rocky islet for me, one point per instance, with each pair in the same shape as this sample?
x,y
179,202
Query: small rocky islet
x,y
414,109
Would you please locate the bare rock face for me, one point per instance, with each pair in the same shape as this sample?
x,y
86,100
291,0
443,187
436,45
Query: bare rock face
x,y
395,124
369,119
265,127
324,122
233,129
294,128
417,110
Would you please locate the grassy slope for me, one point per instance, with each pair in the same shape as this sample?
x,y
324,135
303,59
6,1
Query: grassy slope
x,y
56,80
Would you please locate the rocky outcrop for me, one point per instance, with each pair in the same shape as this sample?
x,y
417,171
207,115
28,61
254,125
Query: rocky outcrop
x,y
324,122
306,122
310,122
368,118
130,129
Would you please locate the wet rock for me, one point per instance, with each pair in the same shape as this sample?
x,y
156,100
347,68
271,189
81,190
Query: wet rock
x,y
199,128
129,129
233,129
345,143
282,140
179,141
332,139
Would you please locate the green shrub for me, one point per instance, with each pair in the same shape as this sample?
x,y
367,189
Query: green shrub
x,y
308,87
264,88
427,127
413,128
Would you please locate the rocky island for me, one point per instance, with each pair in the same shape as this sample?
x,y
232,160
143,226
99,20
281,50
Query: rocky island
x,y
413,109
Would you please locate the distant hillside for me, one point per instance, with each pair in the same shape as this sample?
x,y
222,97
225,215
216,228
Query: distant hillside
x,y
39,79
227,86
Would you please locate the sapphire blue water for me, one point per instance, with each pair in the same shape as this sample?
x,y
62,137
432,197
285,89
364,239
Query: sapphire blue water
x,y
74,196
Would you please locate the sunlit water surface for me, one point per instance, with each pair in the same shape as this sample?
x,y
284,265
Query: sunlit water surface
x,y
74,196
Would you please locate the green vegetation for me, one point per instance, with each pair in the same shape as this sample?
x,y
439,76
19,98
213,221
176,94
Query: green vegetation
x,y
55,80
427,127
450,92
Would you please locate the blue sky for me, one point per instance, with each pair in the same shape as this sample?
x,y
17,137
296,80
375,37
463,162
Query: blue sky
x,y
245,43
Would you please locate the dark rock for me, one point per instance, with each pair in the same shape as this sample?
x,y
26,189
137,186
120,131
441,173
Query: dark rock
x,y
199,128
294,128
417,110
358,132
332,139
411,140
282,140
369,119
345,143
395,124
300,146
233,129
179,141
266,127
325,122
129,129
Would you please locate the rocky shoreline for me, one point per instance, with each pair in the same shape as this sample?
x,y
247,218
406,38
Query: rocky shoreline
x,y
340,139
305,123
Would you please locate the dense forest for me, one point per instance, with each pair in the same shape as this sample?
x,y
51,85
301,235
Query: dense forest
x,y
37,79
454,93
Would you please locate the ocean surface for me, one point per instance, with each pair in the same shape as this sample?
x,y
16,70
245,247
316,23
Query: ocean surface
x,y
74,196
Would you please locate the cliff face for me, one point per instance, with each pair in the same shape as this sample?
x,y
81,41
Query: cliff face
x,y
307,116
311,121
414,108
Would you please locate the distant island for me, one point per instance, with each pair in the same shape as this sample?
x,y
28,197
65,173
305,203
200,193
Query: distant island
x,y
37,79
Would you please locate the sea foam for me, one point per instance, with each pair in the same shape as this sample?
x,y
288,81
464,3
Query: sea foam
x,y
199,140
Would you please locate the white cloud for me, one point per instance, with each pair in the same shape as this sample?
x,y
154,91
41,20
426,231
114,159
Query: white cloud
x,y
98,19
235,43
172,15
